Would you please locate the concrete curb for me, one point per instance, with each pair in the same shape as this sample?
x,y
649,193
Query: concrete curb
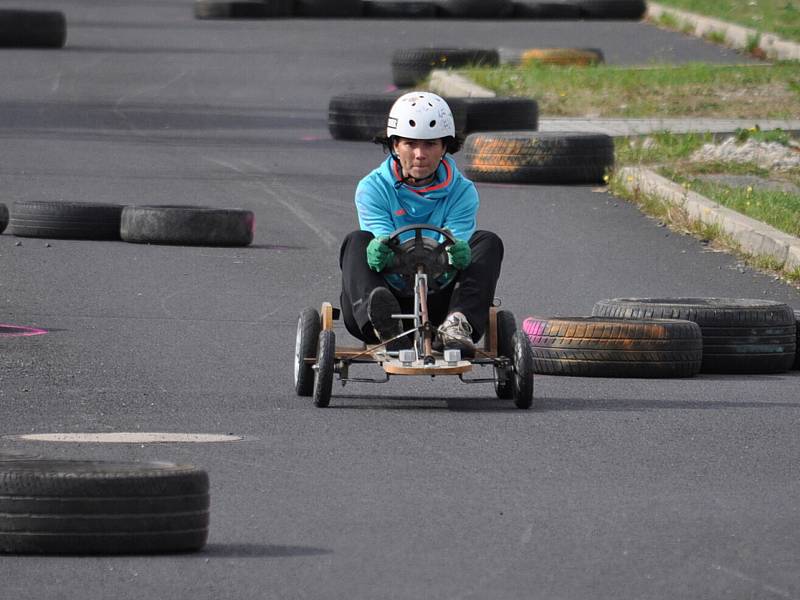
x,y
754,236
446,83
735,35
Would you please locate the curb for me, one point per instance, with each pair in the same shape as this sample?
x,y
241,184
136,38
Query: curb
x,y
735,35
754,236
446,83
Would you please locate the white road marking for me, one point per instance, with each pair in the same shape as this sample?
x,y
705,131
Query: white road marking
x,y
305,217
764,586
125,437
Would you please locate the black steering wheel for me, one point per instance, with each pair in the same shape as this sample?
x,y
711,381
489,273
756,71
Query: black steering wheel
x,y
422,251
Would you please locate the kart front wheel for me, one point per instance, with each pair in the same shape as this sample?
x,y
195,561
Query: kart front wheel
x,y
326,359
522,378
308,328
506,326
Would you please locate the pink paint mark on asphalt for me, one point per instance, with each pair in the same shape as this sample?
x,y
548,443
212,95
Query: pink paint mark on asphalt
x,y
310,138
19,331
391,88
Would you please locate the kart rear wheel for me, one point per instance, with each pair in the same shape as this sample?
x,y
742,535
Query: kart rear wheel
x,y
308,328
506,326
326,358
523,371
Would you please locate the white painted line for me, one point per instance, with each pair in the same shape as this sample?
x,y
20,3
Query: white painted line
x,y
125,437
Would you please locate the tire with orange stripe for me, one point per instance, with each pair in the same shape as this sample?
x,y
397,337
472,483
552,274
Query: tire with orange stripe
x,y
328,8
538,157
582,57
739,335
411,65
602,347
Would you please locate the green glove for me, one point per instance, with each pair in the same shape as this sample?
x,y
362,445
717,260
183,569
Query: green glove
x,y
379,254
460,254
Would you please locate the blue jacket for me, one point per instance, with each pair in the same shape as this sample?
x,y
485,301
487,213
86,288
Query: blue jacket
x,y
384,204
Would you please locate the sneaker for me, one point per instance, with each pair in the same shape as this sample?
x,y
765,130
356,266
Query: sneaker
x,y
381,305
455,334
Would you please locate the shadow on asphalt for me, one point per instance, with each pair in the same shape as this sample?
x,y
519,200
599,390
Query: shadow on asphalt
x,y
259,551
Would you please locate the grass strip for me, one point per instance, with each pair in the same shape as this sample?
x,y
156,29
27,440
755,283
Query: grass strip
x,y
690,90
780,17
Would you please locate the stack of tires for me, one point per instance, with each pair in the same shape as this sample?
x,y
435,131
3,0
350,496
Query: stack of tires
x,y
32,29
668,337
184,225
421,9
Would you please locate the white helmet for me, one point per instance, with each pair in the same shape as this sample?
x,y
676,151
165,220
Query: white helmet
x,y
420,116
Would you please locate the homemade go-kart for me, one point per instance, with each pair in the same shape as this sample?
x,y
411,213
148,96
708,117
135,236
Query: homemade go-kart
x,y
422,261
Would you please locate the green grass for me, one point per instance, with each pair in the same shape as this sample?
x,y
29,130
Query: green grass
x,y
721,91
781,17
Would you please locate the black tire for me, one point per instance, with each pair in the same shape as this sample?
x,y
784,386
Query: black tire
x,y
328,8
538,157
506,328
326,359
474,9
65,220
797,335
3,217
410,66
605,347
398,9
242,9
523,371
87,507
530,9
362,117
739,335
32,29
501,114
187,225
611,9
309,326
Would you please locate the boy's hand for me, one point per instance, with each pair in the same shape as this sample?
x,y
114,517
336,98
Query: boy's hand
x,y
379,254
460,254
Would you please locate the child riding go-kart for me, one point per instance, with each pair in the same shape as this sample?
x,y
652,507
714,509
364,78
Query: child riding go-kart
x,y
422,261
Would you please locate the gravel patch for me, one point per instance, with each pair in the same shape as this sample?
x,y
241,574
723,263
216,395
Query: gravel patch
x,y
767,155
757,183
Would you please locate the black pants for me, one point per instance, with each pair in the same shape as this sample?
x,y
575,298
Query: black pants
x,y
471,293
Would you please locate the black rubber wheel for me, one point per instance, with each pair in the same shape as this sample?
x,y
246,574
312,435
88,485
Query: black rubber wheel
x,y
739,335
187,225
612,9
362,117
398,9
328,8
3,217
531,9
538,157
606,347
65,220
506,328
242,9
32,29
797,335
501,114
523,371
410,66
326,359
474,9
88,507
309,326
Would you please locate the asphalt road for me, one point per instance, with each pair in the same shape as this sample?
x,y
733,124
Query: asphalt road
x,y
413,489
